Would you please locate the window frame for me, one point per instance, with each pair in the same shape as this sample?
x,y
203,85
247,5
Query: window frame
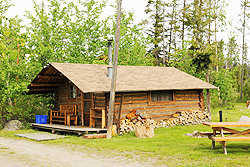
x,y
153,102
71,91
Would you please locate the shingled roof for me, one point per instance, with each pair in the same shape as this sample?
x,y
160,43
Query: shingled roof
x,y
93,78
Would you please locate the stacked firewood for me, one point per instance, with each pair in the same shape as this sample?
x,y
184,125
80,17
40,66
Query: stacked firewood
x,y
136,118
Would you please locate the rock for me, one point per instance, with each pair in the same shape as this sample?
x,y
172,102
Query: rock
x,y
13,125
244,119
195,134
189,134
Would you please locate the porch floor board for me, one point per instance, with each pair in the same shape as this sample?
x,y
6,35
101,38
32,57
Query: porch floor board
x,y
80,130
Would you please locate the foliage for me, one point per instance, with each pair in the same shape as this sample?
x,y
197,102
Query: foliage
x,y
227,93
66,33
133,44
12,64
246,90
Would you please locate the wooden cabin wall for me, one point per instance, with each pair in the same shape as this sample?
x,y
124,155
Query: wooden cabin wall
x,y
99,100
62,97
183,100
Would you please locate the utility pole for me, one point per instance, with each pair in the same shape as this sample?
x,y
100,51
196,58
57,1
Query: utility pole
x,y
113,85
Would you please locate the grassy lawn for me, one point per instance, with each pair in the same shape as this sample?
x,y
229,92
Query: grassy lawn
x,y
170,146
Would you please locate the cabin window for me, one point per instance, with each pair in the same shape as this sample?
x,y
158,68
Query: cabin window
x,y
78,93
72,91
163,95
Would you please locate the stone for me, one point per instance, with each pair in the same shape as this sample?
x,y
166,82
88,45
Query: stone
x,y
13,125
196,134
244,119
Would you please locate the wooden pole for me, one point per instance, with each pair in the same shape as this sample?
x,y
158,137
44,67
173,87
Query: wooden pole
x,y
208,103
82,107
208,96
120,111
113,84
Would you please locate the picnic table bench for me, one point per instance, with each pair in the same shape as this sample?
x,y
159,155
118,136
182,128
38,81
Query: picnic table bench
x,y
211,134
66,114
223,129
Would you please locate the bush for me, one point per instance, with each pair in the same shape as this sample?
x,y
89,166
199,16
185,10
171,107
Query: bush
x,y
227,94
24,109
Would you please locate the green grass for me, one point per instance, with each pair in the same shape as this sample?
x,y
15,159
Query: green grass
x,y
169,146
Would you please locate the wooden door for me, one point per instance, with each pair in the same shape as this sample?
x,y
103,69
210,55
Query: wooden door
x,y
87,102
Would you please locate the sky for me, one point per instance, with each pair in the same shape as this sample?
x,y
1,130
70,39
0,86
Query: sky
x,y
138,6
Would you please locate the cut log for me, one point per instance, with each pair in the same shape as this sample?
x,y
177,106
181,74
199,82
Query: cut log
x,y
144,131
95,136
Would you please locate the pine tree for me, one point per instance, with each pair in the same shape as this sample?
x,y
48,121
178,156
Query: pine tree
x,y
245,4
155,9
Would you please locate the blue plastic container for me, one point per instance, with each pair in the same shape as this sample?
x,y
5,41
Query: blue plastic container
x,y
41,119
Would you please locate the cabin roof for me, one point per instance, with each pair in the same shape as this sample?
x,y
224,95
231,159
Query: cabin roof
x,y
93,78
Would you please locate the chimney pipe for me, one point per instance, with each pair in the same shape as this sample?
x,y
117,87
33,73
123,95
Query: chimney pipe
x,y
110,65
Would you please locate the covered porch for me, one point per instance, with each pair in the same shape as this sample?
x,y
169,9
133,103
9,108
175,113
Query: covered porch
x,y
71,103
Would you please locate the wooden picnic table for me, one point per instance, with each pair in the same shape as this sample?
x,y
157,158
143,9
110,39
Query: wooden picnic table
x,y
230,135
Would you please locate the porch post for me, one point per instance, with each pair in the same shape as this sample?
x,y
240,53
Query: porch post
x,y
82,107
208,103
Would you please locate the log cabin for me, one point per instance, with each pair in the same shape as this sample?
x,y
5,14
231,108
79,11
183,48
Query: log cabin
x,y
158,92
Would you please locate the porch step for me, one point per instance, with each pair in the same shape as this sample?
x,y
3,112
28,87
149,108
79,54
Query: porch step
x,y
95,136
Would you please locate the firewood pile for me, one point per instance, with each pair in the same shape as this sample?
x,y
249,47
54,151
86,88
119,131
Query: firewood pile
x,y
136,118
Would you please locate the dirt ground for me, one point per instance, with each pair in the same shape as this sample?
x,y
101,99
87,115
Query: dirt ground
x,y
25,153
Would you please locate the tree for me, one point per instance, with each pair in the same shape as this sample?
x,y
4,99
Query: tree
x,y
232,53
155,8
133,44
13,66
66,33
245,14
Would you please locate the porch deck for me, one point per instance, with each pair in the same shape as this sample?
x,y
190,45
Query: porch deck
x,y
80,130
